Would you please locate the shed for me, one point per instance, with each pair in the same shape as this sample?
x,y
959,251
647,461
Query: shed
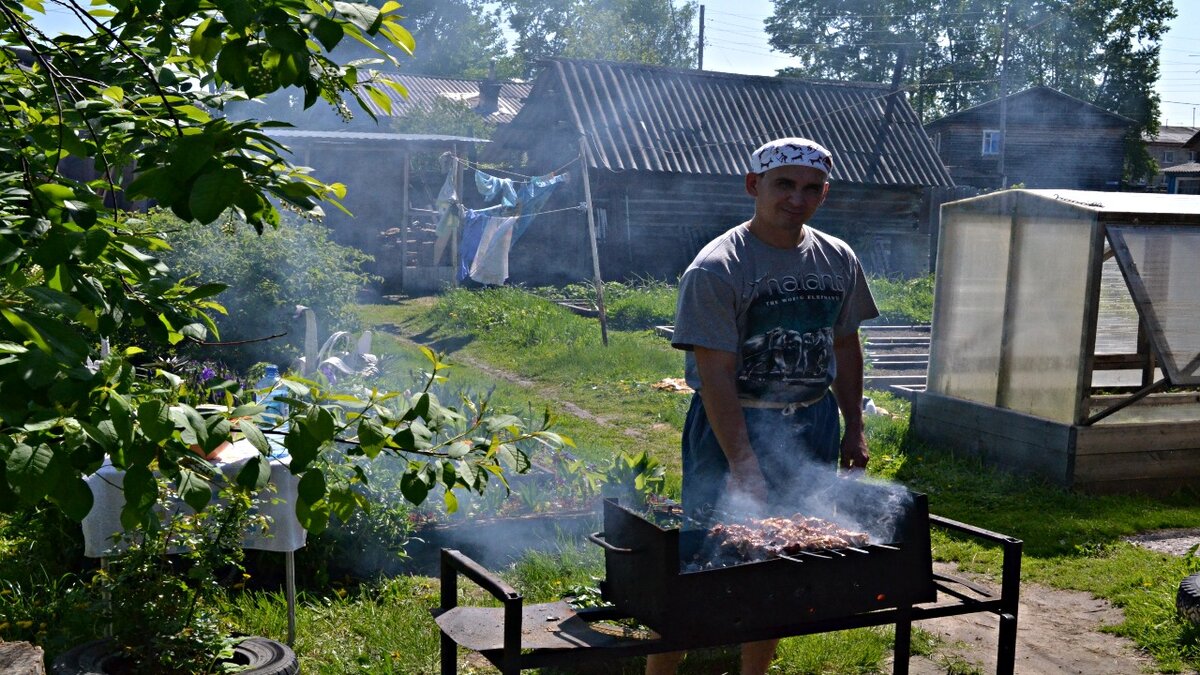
x,y
381,191
1053,141
667,150
496,101
1066,337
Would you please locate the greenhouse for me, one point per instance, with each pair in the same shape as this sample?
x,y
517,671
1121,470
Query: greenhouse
x,y
1066,337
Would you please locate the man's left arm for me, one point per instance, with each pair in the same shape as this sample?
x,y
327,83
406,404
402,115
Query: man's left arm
x,y
848,390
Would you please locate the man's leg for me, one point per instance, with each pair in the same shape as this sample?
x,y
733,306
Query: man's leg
x,y
663,664
757,657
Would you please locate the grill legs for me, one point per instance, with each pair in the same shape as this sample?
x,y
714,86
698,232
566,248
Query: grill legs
x,y
903,642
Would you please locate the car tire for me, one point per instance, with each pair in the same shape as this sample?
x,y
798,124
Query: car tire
x,y
256,656
1187,601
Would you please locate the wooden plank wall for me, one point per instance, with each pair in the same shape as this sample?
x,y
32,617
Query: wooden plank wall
x,y
1150,458
1002,438
1105,459
654,224
1056,146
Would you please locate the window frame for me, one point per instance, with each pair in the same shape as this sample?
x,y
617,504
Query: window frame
x,y
992,143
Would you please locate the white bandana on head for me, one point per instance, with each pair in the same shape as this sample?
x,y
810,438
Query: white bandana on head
x,y
791,152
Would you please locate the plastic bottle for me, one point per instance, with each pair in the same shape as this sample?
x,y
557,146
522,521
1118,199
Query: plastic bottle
x,y
270,390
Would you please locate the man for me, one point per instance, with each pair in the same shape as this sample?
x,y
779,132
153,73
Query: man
x,y
768,314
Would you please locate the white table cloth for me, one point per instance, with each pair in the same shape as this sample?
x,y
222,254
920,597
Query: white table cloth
x,y
284,534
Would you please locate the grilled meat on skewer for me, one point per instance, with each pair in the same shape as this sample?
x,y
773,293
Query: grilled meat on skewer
x,y
764,538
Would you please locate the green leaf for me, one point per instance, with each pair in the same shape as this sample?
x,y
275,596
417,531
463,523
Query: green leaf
x,y
256,473
72,494
195,490
450,500
313,517
320,424
121,415
362,15
155,420
255,435
312,486
327,31
371,436
413,487
26,467
189,153
205,41
141,491
205,291
343,503
213,193
458,449
301,447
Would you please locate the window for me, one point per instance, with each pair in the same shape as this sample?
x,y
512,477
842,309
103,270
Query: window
x,y
1168,156
993,140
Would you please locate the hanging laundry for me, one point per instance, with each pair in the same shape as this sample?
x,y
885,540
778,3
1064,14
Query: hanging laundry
x,y
474,224
493,188
491,257
449,214
532,197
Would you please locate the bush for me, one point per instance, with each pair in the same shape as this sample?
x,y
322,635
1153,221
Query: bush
x,y
267,276
907,301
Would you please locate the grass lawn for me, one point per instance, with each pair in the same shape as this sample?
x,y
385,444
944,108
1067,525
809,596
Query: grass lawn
x,y
604,399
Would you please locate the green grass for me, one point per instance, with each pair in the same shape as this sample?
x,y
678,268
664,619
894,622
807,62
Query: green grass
x,y
1072,541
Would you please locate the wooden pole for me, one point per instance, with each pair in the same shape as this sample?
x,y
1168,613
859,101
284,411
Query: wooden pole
x,y
458,192
404,220
591,220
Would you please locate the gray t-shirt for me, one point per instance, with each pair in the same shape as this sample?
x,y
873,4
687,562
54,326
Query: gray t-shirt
x,y
777,309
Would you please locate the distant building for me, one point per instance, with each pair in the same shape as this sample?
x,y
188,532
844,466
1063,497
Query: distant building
x,y
1167,148
496,101
1053,141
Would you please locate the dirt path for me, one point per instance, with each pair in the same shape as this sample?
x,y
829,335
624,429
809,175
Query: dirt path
x,y
1057,632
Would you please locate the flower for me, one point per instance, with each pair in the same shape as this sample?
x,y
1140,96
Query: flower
x,y
207,374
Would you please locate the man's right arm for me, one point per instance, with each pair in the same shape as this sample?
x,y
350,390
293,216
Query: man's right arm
x,y
718,391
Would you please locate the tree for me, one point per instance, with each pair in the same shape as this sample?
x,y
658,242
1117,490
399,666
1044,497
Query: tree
x,y
459,38
959,53
643,31
134,102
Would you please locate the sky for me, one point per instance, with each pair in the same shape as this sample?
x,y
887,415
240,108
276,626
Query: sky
x,y
736,43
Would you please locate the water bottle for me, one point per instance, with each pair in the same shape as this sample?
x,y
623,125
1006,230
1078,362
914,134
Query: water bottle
x,y
270,390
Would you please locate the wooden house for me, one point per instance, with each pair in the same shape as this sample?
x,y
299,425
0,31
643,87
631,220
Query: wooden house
x,y
1053,141
1167,149
666,151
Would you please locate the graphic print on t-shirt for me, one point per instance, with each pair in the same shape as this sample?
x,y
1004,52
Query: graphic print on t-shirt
x,y
788,355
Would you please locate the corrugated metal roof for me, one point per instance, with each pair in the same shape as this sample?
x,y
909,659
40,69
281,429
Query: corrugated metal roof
x,y
275,132
1031,92
639,117
1189,167
1173,135
423,91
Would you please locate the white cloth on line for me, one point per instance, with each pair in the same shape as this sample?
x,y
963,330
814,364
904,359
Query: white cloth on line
x,y
490,265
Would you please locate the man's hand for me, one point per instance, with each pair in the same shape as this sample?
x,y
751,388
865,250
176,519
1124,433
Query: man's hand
x,y
746,479
854,451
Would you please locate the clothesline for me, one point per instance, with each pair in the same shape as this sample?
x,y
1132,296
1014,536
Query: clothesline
x,y
471,165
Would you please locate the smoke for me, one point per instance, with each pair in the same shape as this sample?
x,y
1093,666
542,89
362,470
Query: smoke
x,y
854,503
799,483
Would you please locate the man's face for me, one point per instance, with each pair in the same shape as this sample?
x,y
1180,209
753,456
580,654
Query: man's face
x,y
787,196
